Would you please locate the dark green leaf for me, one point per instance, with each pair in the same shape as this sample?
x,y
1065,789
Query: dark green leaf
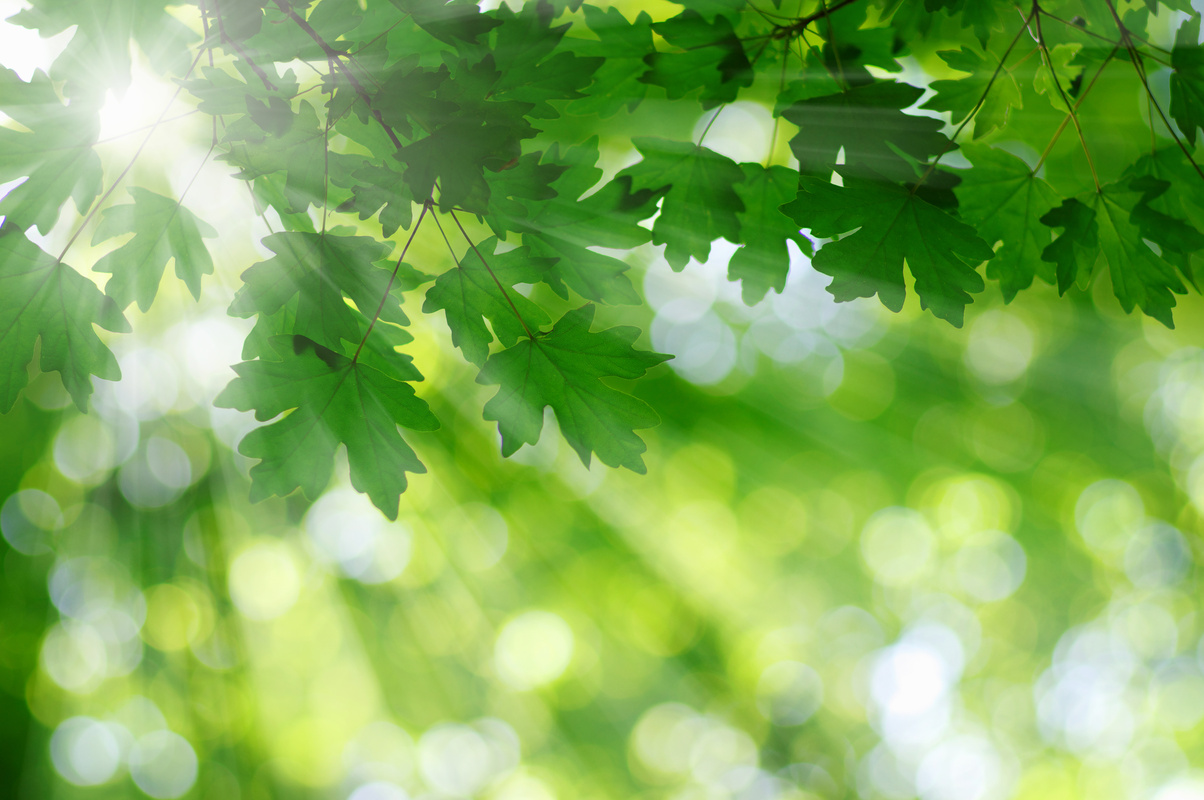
x,y
330,400
895,226
700,203
562,369
469,292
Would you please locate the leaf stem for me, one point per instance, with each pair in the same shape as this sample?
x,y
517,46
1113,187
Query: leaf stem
x,y
1066,119
501,288
1035,16
221,27
978,105
796,27
336,56
389,286
1134,56
117,182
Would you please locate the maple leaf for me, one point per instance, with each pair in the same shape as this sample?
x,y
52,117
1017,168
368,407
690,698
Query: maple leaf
x,y
623,45
1169,206
895,226
711,57
469,292
450,22
700,202
1073,252
330,400
221,93
563,369
763,260
55,155
1005,202
566,224
163,230
530,72
43,299
869,124
1187,79
1140,276
961,96
98,56
320,269
300,154
982,17
1046,82
380,188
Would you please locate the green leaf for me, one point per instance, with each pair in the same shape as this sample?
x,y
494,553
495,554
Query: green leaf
x,y
1140,276
1111,221
221,93
869,124
320,269
982,17
763,260
451,22
329,400
42,299
895,226
622,45
381,188
563,369
1047,83
55,155
700,201
710,57
565,225
960,96
300,154
469,292
98,56
1073,253
1004,201
531,72
163,230
1187,79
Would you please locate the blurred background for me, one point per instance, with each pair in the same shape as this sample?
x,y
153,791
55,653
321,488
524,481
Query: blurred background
x,y
874,556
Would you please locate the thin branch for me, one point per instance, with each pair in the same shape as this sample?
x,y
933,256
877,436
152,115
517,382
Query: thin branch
x,y
337,57
797,26
1036,12
326,154
389,286
1066,119
221,27
1139,67
981,100
489,269
117,182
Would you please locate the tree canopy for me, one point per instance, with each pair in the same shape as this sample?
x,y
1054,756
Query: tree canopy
x,y
1066,163
459,212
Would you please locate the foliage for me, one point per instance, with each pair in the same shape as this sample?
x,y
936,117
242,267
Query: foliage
x,y
457,207
471,113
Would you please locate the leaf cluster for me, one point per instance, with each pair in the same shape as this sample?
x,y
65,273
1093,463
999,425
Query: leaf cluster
x,y
359,125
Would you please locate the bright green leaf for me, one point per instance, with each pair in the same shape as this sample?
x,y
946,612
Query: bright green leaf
x,y
163,229
43,299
